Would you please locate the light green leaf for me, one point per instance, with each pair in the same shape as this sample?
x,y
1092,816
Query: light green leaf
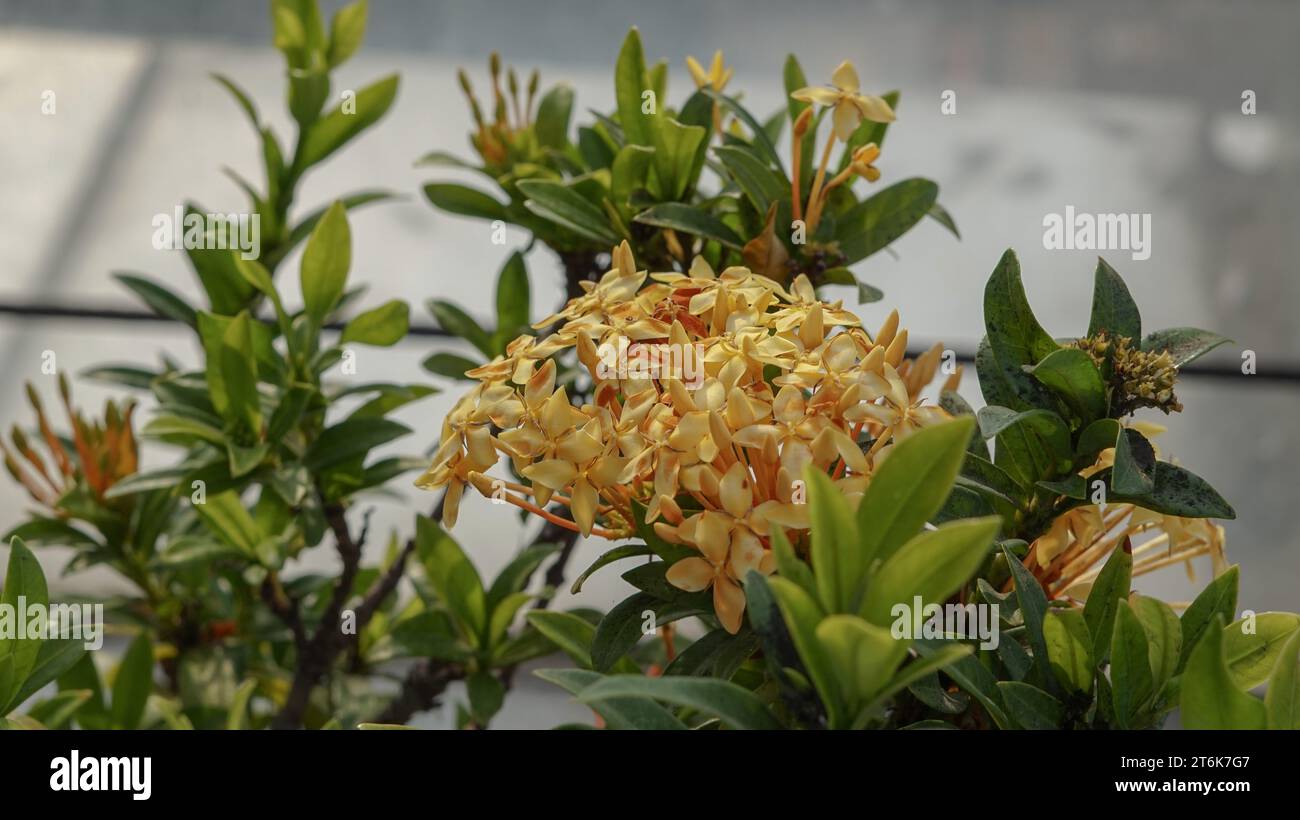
x,y
1071,374
1283,699
1252,655
1130,666
1113,309
933,565
1210,699
383,326
325,263
736,707
910,487
133,684
336,128
1069,649
347,30
453,577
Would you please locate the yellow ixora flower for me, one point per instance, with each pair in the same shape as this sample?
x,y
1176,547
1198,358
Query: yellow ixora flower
x,y
850,105
711,459
716,78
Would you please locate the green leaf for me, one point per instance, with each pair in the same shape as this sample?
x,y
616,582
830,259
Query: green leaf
x,y
607,558
676,146
1283,699
1184,344
761,141
940,214
449,365
1113,309
1069,649
619,713
226,516
1180,492
237,717
883,217
514,577
802,614
756,180
629,84
1032,445
839,565
933,565
457,322
350,438
691,220
971,676
1030,706
24,587
159,299
1252,655
1218,598
239,374
910,487
453,577
789,565
336,128
1033,608
1135,461
325,263
1130,667
1111,586
1210,699
347,30
1071,374
553,113
1164,638
628,171
133,684
571,634
736,707
383,326
1015,337
513,299
567,208
465,201
486,696
862,656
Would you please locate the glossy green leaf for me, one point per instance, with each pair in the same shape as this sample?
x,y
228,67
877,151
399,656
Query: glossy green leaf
x,y
690,220
1030,706
1282,701
1113,309
383,326
736,707
465,201
1184,344
882,218
910,487
1210,699
347,120
1069,648
133,684
452,576
1071,374
1130,667
325,263
933,566
1252,646
569,209
1218,598
1110,587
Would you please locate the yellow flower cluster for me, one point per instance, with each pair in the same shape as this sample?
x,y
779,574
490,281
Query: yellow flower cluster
x,y
710,455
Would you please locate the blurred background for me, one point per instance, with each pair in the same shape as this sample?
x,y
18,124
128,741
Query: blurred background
x,y
1109,106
